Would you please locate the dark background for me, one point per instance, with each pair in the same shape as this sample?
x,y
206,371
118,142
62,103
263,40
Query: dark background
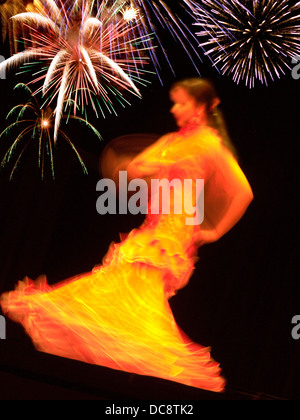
x,y
245,289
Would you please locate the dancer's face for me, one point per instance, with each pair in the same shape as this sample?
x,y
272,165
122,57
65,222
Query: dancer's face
x,y
185,107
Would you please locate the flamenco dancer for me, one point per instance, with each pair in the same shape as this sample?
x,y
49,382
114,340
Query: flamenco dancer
x,y
118,315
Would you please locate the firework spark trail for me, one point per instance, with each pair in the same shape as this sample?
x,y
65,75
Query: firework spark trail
x,y
178,29
11,8
7,10
60,99
250,39
37,127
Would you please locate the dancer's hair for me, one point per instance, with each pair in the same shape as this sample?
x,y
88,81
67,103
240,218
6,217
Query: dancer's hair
x,y
204,92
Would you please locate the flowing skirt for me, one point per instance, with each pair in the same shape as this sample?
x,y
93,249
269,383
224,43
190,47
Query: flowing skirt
x,y
117,316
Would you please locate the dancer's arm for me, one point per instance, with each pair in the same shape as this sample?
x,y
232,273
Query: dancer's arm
x,y
239,195
148,163
136,169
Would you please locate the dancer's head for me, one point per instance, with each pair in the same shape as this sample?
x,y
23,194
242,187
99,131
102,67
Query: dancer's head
x,y
196,99
193,98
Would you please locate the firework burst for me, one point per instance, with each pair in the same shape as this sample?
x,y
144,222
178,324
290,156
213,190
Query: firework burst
x,y
250,39
85,56
35,125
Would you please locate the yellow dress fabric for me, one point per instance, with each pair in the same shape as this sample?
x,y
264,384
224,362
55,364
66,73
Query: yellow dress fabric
x,y
119,315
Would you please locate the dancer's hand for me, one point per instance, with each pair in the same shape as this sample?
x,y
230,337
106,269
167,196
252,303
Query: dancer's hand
x,y
205,237
201,238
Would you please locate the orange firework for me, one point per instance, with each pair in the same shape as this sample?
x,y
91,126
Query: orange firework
x,y
85,55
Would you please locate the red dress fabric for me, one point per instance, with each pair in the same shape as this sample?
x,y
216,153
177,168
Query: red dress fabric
x,y
119,315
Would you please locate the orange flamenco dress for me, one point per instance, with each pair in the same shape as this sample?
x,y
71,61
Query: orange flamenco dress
x,y
118,315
